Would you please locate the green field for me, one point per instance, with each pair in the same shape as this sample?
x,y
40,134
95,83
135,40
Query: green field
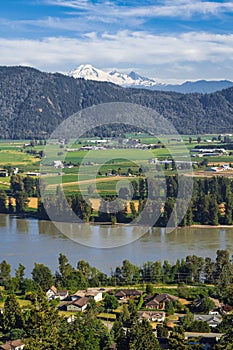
x,y
97,164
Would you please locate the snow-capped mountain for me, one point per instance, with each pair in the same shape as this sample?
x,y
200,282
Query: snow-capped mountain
x,y
88,72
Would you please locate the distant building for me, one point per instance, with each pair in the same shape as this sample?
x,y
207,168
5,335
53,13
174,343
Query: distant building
x,y
95,294
159,301
31,173
152,316
223,167
53,293
212,320
13,345
78,305
215,169
209,150
58,164
4,173
125,294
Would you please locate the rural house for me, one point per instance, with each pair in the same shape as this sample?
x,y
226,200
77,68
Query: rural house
x,y
53,293
126,294
159,301
95,294
78,305
13,345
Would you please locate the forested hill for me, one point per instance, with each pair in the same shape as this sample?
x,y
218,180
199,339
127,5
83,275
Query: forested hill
x,y
33,103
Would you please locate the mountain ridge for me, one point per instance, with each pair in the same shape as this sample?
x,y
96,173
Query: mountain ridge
x,y
34,103
134,80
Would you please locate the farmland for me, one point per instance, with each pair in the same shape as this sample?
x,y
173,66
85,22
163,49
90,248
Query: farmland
x,y
111,164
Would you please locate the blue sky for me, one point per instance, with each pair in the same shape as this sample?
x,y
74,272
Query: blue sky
x,y
166,39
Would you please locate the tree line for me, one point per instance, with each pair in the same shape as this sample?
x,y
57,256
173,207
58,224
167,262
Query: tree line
x,y
211,203
192,269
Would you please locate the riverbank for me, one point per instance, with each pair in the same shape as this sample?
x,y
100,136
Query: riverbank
x,y
33,215
210,226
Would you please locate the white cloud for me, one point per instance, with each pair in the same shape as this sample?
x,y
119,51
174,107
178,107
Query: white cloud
x,y
180,8
186,54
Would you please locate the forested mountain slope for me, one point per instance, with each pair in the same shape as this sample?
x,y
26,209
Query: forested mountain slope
x,y
33,103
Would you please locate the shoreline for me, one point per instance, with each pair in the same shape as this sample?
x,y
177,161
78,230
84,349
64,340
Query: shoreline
x,y
209,226
33,216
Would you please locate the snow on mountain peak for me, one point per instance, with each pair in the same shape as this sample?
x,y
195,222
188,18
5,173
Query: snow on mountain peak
x,y
88,72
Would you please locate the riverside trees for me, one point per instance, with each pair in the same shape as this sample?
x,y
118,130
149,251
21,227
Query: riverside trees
x,y
211,204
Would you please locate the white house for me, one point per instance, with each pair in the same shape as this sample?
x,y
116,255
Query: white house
x,y
58,164
95,294
53,293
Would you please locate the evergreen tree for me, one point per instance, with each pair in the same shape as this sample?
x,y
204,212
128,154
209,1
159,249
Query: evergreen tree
x,y
12,316
5,272
141,337
213,212
223,271
19,274
3,202
119,335
65,268
43,324
42,275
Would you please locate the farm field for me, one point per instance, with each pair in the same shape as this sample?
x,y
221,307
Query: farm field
x,y
100,164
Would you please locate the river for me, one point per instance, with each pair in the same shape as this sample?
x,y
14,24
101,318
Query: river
x,y
29,240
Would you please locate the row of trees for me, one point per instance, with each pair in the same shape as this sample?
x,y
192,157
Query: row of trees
x,y
211,203
192,269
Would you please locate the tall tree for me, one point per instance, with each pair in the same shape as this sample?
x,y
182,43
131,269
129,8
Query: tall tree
x,y
141,337
3,202
42,275
42,324
5,272
12,316
223,271
119,335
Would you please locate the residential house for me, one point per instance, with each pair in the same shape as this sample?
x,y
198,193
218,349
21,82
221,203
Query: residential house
x,y
212,320
78,295
13,345
53,293
207,340
126,294
78,305
159,301
96,294
152,316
